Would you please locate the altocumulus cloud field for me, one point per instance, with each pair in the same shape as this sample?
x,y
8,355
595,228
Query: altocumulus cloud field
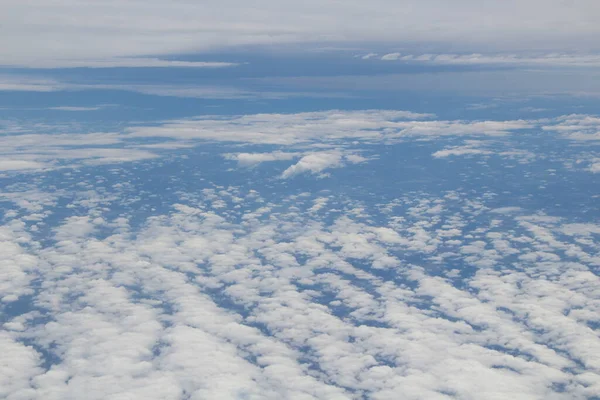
x,y
367,200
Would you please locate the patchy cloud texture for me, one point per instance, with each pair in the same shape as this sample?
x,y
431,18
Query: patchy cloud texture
x,y
112,289
299,200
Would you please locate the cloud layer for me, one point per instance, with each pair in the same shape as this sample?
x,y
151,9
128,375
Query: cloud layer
x,y
319,140
273,301
201,258
75,33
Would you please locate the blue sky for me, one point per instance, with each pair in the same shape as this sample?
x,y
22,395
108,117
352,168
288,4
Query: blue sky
x,y
316,200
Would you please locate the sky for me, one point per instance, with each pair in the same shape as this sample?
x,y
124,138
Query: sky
x,y
299,200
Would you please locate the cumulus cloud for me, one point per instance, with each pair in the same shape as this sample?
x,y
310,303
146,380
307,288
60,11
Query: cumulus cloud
x,y
576,127
391,57
196,302
314,163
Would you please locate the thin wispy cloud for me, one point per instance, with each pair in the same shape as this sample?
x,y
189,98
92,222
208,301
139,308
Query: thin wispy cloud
x,y
95,34
549,60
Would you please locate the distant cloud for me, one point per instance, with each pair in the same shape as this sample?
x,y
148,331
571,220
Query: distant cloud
x,y
320,140
75,109
323,127
480,148
460,151
28,152
564,60
21,83
391,57
98,34
138,62
314,163
576,127
368,56
29,84
252,159
6,164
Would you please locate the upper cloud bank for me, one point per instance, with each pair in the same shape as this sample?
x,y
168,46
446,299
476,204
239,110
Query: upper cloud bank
x,y
69,32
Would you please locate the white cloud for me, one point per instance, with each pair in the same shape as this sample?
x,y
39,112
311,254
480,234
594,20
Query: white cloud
x,y
391,57
75,108
324,139
31,152
460,151
576,127
67,33
564,60
17,83
131,312
355,158
283,303
368,56
252,159
323,127
29,84
309,162
138,62
482,148
229,294
18,364
314,163
581,229
8,164
506,210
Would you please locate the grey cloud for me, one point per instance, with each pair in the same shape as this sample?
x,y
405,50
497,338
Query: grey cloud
x,y
70,33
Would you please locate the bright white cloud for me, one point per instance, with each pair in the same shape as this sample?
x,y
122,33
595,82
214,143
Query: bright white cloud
x,y
314,163
128,314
